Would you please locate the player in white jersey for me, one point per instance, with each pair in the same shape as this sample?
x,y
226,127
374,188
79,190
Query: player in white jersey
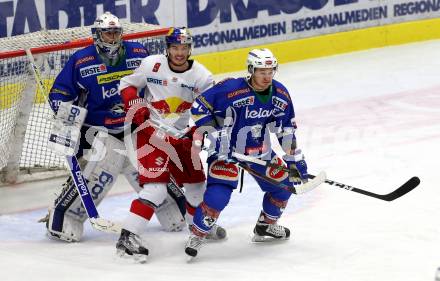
x,y
169,84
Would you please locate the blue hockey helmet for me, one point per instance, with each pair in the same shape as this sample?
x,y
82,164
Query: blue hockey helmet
x,y
179,35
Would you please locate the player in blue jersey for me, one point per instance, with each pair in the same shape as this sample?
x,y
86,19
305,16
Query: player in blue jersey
x,y
90,79
242,112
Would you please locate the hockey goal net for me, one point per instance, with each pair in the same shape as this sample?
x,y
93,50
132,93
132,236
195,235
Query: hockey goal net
x,y
25,115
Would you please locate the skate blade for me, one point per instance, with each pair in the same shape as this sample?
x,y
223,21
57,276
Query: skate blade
x,y
138,258
263,239
189,259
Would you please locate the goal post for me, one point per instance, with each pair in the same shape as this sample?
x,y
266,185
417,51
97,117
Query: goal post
x,y
25,115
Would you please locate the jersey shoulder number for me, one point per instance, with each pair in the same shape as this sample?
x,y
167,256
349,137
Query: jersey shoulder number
x,y
156,67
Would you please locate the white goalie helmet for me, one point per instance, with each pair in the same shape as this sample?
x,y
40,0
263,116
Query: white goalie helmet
x,y
107,22
261,58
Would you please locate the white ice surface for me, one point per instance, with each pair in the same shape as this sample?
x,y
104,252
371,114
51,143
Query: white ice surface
x,y
370,119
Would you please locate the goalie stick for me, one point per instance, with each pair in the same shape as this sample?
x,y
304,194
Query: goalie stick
x,y
97,222
399,192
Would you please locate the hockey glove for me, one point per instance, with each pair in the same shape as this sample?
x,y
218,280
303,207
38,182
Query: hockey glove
x,y
133,102
186,142
297,166
224,149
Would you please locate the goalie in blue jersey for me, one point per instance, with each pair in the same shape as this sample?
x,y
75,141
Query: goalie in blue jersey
x,y
240,114
90,80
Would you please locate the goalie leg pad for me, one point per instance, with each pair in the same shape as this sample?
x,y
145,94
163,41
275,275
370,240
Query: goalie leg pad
x,y
194,196
131,174
170,215
104,165
194,192
64,227
154,193
100,175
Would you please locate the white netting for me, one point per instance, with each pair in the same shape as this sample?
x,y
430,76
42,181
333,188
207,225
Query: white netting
x,y
46,38
17,83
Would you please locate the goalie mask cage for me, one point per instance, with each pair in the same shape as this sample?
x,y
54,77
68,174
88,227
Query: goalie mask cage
x,y
25,115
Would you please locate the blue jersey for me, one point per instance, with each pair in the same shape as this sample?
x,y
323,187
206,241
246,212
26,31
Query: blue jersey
x,y
247,117
89,82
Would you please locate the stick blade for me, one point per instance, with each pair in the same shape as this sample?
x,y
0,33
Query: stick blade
x,y
105,225
311,184
402,190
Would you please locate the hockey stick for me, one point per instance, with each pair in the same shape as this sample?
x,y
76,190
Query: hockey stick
x,y
299,189
76,173
400,191
315,180
157,122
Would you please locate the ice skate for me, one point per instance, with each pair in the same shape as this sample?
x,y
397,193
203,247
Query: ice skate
x,y
193,245
264,232
131,244
216,233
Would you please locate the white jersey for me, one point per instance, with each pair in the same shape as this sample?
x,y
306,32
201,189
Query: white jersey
x,y
171,93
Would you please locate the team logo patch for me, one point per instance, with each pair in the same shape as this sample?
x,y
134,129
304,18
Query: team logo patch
x,y
83,60
209,221
133,63
244,102
113,121
191,88
156,67
157,81
111,77
279,103
92,70
276,173
284,93
159,161
210,215
256,131
223,171
205,103
108,93
238,92
258,113
139,50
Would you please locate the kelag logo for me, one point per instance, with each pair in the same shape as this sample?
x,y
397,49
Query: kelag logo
x,y
197,17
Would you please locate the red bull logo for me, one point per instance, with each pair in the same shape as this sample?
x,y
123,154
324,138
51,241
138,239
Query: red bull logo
x,y
171,105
